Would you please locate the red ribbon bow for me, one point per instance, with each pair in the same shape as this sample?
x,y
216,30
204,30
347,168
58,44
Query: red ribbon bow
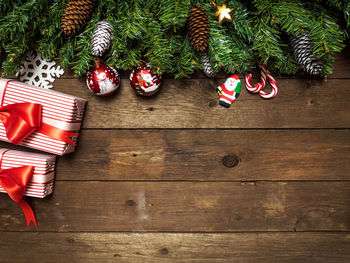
x,y
14,182
21,119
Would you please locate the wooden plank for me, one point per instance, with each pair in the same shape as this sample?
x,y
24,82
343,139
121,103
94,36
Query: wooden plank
x,y
202,155
342,64
179,247
301,103
187,207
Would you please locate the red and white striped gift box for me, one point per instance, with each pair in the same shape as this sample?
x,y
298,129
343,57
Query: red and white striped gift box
x,y
41,182
60,110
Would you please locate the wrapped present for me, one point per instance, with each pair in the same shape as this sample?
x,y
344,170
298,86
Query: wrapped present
x,y
39,118
40,183
25,173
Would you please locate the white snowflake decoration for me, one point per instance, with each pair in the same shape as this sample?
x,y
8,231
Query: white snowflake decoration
x,y
39,72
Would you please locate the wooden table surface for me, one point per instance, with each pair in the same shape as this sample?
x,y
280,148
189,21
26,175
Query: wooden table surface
x,y
178,178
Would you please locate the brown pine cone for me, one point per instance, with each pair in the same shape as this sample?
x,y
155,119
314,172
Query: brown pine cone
x,y
76,15
198,28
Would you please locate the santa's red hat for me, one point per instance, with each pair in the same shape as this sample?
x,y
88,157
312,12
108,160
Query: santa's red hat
x,y
234,76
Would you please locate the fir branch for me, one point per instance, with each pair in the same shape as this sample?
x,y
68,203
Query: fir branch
x,y
25,18
158,48
52,36
19,31
226,52
267,42
83,58
292,17
342,6
155,31
66,52
327,38
242,21
174,13
186,60
132,21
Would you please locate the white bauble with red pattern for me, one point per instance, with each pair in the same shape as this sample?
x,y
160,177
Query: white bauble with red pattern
x,y
144,81
103,80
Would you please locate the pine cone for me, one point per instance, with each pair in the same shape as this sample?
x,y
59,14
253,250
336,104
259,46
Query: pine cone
x,y
208,71
102,38
198,28
76,15
303,54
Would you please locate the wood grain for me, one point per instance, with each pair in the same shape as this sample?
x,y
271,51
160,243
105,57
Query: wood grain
x,y
215,155
342,64
187,207
254,190
193,103
161,247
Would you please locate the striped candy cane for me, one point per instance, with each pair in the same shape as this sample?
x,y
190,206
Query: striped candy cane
x,y
258,88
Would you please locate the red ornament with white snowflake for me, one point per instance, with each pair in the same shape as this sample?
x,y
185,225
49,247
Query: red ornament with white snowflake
x,y
102,80
144,81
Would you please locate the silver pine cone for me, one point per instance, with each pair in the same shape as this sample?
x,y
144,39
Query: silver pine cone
x,y
208,71
102,38
303,54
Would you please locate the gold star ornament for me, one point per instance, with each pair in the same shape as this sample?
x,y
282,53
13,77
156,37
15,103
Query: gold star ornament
x,y
223,12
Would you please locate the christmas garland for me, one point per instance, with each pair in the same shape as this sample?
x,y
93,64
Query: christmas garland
x,y
285,35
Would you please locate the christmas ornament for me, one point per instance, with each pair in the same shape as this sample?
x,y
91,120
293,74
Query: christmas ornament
x,y
102,80
207,69
258,88
223,12
38,71
102,38
229,91
76,15
144,81
198,28
303,54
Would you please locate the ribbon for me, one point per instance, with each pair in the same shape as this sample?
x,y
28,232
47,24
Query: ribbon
x,y
22,119
14,182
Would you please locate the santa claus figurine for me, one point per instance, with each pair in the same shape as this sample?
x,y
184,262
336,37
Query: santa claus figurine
x,y
229,91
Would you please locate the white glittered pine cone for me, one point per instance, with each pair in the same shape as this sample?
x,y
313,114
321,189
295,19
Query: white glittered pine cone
x,y
102,38
207,69
303,54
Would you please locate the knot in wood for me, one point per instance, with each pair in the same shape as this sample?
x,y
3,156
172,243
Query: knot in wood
x,y
164,251
212,103
130,203
230,160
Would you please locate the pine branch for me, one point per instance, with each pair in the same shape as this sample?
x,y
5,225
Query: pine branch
x,y
52,37
227,52
155,31
342,6
242,21
158,49
186,60
327,38
174,13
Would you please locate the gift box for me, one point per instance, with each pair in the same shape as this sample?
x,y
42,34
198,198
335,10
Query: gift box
x,y
41,181
39,118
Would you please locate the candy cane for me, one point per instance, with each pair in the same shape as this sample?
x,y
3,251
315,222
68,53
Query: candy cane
x,y
258,88
274,88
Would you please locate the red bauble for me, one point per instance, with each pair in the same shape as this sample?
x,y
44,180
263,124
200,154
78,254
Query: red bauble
x,y
144,81
102,80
